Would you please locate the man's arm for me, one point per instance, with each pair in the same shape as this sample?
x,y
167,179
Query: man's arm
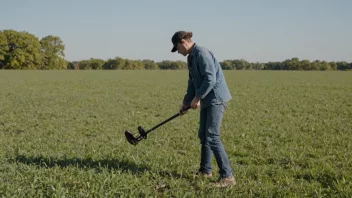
x,y
207,70
190,92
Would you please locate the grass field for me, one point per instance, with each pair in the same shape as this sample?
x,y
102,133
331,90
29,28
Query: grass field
x,y
287,134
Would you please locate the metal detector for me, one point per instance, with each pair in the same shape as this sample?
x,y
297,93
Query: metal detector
x,y
143,134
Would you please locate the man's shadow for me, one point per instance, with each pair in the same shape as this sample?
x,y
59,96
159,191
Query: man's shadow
x,y
98,165
82,163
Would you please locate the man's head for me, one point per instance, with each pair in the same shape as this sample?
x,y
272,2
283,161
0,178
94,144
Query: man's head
x,y
182,42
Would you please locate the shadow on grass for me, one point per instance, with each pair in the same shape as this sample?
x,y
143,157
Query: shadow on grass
x,y
82,163
89,163
98,165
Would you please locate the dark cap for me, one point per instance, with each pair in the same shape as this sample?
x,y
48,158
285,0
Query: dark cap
x,y
176,38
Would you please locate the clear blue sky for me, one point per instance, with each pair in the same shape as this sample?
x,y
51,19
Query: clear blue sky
x,y
255,30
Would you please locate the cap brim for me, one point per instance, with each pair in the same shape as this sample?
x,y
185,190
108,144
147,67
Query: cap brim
x,y
173,49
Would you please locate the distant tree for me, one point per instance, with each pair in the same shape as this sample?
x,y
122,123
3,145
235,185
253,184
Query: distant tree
x,y
150,64
52,53
172,65
315,65
21,50
96,64
240,64
325,66
4,48
342,65
258,66
115,63
305,65
84,65
110,64
74,65
291,64
227,65
333,65
273,66
133,64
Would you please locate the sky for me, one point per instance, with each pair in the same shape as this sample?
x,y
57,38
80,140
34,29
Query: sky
x,y
254,30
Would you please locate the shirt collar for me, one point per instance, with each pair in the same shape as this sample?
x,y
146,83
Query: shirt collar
x,y
194,49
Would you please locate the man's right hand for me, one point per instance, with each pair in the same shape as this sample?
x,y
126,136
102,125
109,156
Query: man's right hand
x,y
182,112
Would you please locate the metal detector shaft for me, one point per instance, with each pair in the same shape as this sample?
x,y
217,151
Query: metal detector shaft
x,y
143,134
172,117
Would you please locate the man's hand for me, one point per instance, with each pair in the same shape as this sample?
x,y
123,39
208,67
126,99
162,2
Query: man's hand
x,y
195,103
182,108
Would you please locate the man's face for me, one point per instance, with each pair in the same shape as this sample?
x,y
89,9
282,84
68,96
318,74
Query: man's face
x,y
181,49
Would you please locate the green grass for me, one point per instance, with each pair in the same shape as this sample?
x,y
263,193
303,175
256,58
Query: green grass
x,y
287,134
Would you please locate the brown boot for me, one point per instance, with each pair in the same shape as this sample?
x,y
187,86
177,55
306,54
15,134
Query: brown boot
x,y
224,182
202,174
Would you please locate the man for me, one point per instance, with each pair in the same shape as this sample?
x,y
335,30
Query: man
x,y
207,88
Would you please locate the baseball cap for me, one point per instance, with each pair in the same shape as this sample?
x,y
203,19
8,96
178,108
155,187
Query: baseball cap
x,y
176,38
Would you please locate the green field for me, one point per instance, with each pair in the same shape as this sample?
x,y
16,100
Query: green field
x,y
287,134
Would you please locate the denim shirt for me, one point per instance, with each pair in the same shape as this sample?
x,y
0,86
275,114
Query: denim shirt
x,y
206,79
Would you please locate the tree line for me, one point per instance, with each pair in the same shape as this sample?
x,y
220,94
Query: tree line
x,y
289,64
119,63
20,50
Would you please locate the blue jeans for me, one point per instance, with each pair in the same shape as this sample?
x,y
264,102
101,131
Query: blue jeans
x,y
209,135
